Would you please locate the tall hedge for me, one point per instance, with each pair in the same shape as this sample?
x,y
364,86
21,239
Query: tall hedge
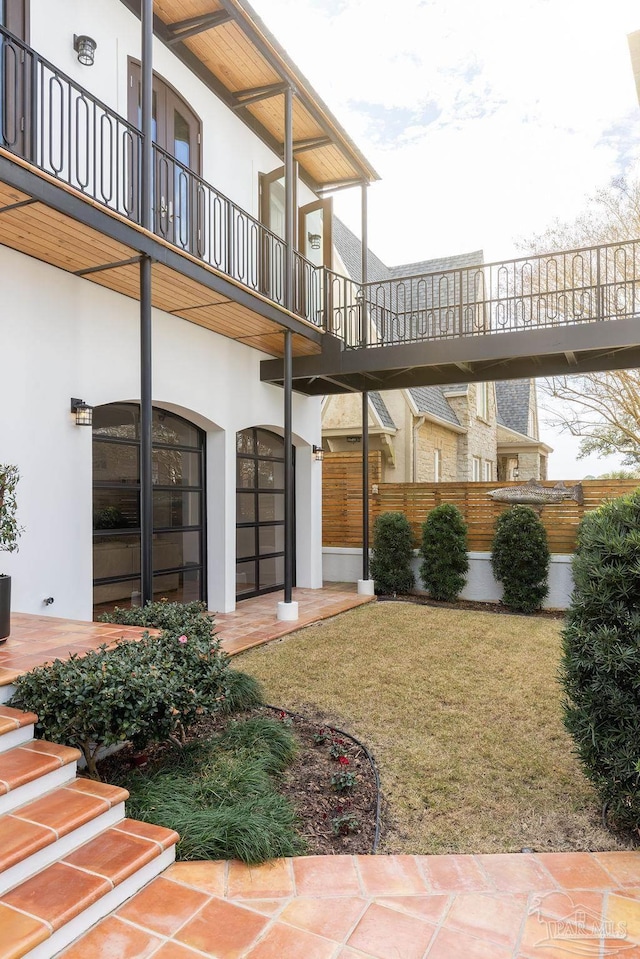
x,y
601,659
520,558
392,554
444,552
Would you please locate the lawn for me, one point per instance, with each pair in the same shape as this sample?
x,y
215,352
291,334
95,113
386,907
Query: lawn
x,y
462,711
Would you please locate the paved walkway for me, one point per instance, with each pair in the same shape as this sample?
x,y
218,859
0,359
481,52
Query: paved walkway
x,y
550,906
35,640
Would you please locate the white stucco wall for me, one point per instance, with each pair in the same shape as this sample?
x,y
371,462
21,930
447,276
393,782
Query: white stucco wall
x,y
63,336
345,565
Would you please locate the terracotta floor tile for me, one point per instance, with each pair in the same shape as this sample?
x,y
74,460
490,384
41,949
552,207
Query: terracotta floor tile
x,y
386,933
19,932
625,915
576,870
173,950
282,940
113,854
266,907
19,766
163,906
451,945
542,937
494,918
624,867
19,839
18,717
57,894
144,830
273,880
112,939
223,929
325,875
63,810
111,794
516,873
566,902
208,876
432,908
454,874
349,953
390,875
64,754
332,918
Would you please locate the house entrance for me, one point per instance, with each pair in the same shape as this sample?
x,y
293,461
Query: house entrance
x,y
178,507
259,513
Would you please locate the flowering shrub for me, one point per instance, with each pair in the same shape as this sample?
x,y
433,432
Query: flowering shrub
x,y
322,737
336,749
343,781
344,824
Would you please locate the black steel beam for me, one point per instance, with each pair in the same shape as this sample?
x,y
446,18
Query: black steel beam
x,y
183,29
17,206
48,192
364,267
107,266
289,202
289,531
311,143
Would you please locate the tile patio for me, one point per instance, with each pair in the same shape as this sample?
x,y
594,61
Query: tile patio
x,y
551,906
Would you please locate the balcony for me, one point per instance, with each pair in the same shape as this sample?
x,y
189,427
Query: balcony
x,y
70,195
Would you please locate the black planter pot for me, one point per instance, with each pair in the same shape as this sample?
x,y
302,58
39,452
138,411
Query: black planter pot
x,y
5,607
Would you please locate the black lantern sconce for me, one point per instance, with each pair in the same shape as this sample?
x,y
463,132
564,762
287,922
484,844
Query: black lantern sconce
x,y
318,452
82,412
85,47
315,240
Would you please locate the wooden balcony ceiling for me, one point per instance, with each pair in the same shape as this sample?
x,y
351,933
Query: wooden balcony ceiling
x,y
36,229
245,58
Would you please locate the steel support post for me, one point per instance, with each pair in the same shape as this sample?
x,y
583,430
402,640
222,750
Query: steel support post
x,y
289,531
289,211
146,181
365,395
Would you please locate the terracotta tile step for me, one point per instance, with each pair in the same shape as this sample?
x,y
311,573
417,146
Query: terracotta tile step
x,y
37,834
16,727
51,909
28,771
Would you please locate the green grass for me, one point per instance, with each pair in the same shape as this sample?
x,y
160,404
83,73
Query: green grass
x,y
221,795
463,713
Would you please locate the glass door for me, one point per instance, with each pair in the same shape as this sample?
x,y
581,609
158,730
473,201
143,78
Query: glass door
x,y
315,245
272,216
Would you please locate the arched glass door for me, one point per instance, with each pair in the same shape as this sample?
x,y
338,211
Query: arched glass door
x,y
259,513
178,507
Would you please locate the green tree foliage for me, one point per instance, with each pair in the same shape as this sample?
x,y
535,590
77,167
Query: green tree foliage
x,y
444,552
392,554
601,660
520,558
9,529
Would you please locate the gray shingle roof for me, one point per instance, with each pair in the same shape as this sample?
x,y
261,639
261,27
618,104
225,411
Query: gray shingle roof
x,y
513,398
381,409
431,399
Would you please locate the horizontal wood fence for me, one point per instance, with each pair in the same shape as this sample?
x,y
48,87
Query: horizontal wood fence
x,y
342,504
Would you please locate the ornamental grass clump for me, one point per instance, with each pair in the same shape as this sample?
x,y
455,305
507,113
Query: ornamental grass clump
x,y
444,552
601,656
392,554
520,559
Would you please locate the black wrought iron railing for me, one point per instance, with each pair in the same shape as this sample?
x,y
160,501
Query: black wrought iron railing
x,y
590,285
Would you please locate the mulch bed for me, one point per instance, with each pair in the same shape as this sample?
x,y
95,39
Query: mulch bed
x,y
474,605
306,782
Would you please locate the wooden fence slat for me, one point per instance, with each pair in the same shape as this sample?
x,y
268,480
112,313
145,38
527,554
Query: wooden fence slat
x,y
342,504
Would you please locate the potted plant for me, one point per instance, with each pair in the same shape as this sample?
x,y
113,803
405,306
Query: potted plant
x,y
9,533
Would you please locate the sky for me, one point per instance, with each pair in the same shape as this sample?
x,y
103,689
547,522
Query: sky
x,y
486,120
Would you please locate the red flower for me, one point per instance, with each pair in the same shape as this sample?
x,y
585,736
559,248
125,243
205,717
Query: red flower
x,y
343,760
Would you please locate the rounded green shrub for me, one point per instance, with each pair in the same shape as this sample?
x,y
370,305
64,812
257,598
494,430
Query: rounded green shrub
x,y
444,552
520,559
392,554
601,658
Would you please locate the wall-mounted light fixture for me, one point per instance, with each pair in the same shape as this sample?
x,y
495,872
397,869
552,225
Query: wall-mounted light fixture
x,y
315,240
318,452
516,473
82,412
354,439
85,47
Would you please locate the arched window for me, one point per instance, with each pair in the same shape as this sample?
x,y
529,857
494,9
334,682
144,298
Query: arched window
x,y
178,507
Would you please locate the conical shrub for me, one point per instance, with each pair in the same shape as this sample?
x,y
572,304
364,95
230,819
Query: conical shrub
x,y
520,559
444,552
392,554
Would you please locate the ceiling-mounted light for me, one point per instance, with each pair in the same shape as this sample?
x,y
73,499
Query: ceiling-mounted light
x,y
85,47
354,439
315,240
82,412
318,452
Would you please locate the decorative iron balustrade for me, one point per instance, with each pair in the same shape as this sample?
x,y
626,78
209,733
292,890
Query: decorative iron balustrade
x,y
56,125
529,293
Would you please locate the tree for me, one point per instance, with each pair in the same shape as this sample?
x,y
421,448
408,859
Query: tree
x,y
601,408
392,554
520,558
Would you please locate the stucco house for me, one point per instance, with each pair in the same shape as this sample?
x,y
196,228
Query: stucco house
x,y
465,431
163,219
